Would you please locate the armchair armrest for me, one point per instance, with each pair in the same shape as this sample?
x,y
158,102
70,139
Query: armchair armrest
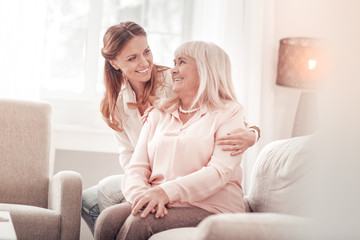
x,y
65,191
253,226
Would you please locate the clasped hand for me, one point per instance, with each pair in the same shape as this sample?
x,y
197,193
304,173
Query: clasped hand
x,y
153,200
237,141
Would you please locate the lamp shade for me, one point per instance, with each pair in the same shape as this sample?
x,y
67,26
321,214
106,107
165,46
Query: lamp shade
x,y
300,63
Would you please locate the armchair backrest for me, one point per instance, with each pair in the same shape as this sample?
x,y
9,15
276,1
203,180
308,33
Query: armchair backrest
x,y
25,129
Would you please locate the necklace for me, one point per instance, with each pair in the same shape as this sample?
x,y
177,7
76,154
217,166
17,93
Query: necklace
x,y
188,111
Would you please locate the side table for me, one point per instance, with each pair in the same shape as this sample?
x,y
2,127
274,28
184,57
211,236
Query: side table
x,y
7,231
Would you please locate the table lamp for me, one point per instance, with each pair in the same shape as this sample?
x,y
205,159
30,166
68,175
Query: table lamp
x,y
300,65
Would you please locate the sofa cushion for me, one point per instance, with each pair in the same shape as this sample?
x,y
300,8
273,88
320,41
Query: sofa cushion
x,y
188,233
254,226
279,177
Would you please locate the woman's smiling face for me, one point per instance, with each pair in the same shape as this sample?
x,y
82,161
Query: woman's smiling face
x,y
185,76
135,60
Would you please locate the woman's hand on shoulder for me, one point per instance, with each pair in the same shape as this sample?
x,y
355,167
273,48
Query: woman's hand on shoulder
x,y
153,200
237,141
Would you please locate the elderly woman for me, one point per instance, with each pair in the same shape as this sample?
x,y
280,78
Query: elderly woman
x,y
178,174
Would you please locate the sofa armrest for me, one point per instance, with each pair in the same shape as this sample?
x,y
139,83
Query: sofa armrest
x,y
253,226
65,191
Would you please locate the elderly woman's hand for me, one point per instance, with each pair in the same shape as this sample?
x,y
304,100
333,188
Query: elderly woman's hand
x,y
237,141
154,200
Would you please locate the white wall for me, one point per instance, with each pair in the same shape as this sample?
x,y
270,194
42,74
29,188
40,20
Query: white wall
x,y
296,18
338,153
93,166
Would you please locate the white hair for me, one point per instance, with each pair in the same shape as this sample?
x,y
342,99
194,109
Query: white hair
x,y
214,69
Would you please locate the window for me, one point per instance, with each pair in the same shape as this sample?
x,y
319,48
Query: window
x,y
73,63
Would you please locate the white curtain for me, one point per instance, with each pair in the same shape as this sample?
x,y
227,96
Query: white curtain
x,y
243,28
221,22
260,72
22,28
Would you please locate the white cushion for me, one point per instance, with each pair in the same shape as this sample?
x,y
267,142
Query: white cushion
x,y
252,226
279,177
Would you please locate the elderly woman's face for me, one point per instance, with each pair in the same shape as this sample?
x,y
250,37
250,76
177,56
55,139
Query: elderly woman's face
x,y
185,76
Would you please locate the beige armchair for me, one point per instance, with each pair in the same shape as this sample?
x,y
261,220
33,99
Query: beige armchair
x,y
41,206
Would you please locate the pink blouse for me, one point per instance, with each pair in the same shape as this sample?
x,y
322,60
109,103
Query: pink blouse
x,y
185,161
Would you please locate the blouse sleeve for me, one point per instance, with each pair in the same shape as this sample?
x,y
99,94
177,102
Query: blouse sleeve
x,y
126,149
136,179
212,177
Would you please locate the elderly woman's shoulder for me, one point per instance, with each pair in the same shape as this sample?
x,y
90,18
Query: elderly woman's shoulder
x,y
233,107
230,110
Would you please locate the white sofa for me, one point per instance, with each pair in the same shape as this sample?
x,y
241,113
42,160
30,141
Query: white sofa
x,y
275,205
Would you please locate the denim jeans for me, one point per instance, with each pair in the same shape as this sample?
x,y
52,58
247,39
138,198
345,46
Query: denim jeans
x,y
96,198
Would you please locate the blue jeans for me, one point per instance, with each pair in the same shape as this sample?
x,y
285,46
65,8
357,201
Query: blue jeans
x,y
96,198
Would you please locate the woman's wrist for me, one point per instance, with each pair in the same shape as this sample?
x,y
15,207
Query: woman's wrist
x,y
256,130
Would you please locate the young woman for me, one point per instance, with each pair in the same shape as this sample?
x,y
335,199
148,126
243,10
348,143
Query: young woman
x,y
133,83
177,161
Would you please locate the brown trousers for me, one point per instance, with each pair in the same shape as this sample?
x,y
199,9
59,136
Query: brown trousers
x,y
116,222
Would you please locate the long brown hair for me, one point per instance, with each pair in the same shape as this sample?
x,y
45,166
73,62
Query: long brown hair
x,y
115,39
